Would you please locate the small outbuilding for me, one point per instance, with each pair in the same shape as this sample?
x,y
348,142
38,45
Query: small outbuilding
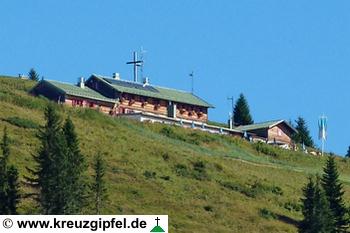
x,y
278,132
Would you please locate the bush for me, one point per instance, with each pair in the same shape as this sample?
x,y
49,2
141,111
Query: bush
x,y
254,190
199,171
208,208
21,122
292,206
267,214
167,178
181,170
260,188
166,157
263,148
150,175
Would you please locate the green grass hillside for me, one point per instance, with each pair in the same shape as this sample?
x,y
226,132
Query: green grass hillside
x,y
204,182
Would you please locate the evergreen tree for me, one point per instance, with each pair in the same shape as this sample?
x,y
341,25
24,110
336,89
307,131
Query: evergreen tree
x,y
33,75
303,135
51,171
5,148
9,186
76,197
241,115
348,153
334,193
99,186
13,195
316,212
308,207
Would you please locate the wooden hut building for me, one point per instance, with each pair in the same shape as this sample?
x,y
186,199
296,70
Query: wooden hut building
x,y
278,132
120,97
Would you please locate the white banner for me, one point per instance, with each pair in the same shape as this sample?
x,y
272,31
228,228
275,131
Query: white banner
x,y
83,223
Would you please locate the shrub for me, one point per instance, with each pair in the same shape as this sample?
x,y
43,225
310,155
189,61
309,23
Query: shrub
x,y
150,174
292,206
267,214
263,148
254,190
21,122
199,171
167,178
208,208
238,188
166,157
181,170
260,188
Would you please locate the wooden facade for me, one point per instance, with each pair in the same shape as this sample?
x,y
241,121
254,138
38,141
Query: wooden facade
x,y
272,132
102,106
114,102
129,103
280,133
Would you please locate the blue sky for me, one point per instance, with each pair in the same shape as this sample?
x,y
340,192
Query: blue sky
x,y
290,58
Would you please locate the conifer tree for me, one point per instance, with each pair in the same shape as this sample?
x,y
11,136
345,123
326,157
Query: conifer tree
x,y
76,197
51,171
316,212
334,193
303,135
241,115
348,153
308,207
13,195
5,148
9,186
99,189
33,75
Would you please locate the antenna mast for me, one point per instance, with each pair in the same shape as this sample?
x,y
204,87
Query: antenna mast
x,y
232,111
192,81
136,63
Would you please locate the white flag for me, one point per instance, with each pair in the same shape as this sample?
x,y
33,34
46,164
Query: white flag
x,y
322,128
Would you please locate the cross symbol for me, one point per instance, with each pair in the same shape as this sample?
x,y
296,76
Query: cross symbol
x,y
157,219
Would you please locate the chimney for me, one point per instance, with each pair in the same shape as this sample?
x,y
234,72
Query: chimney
x,y
116,76
145,81
81,82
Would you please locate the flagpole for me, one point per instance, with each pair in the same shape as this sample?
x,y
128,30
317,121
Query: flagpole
x,y
322,146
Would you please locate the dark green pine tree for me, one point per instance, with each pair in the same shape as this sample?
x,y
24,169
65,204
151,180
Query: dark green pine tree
x,y
241,114
334,193
13,195
77,186
51,171
303,135
5,148
9,185
99,189
33,75
307,224
316,211
348,153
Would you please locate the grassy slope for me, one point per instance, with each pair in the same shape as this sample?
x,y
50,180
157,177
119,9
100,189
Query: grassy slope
x,y
205,183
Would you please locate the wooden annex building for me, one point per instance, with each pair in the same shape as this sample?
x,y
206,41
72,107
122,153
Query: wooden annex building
x,y
276,132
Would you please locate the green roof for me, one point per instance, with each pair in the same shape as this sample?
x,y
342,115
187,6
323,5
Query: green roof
x,y
74,90
154,91
263,125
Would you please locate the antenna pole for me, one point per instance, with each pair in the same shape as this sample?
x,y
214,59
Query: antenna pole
x,y
232,108
192,81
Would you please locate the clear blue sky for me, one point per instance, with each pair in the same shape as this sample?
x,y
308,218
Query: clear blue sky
x,y
289,58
